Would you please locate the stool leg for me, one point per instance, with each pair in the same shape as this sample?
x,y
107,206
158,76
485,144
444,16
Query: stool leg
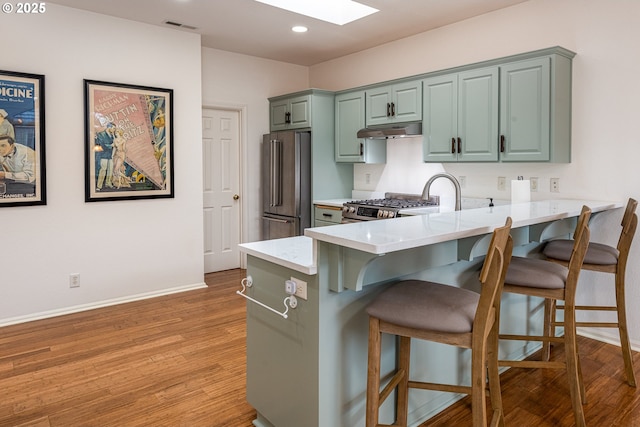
x,y
573,367
402,402
494,377
549,329
479,384
373,373
622,326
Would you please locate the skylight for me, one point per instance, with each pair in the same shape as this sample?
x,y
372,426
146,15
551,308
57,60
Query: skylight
x,y
338,12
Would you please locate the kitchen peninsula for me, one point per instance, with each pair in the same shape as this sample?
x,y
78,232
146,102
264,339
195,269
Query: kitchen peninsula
x,y
309,368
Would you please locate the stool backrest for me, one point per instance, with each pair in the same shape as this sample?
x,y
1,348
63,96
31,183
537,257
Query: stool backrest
x,y
581,238
629,225
492,277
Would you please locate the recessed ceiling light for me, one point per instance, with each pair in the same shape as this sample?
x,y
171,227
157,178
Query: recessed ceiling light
x,y
299,29
338,12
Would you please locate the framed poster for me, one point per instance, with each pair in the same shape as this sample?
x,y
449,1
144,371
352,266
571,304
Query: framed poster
x,y
128,142
22,154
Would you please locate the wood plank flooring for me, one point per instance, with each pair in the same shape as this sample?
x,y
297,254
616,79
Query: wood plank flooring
x,y
179,360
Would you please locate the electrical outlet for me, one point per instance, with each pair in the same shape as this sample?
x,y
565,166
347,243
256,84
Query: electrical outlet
x,y
502,183
554,185
533,181
367,178
74,280
463,181
301,288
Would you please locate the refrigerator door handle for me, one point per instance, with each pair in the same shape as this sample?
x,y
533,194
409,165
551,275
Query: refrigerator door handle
x,y
275,196
281,221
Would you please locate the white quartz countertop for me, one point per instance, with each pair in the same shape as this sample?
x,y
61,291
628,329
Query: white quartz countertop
x,y
390,235
295,253
383,236
331,202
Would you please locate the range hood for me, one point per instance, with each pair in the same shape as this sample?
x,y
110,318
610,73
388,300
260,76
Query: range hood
x,y
391,131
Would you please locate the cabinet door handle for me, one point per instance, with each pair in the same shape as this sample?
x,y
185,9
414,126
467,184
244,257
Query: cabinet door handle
x,y
393,109
361,149
388,109
459,145
453,146
502,143
326,215
287,117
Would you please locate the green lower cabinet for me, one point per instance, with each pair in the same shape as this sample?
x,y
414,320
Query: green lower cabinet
x,y
327,215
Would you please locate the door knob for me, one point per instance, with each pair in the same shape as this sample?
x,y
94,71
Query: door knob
x,y
236,197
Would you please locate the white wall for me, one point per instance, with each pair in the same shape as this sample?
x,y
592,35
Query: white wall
x,y
605,126
122,249
245,82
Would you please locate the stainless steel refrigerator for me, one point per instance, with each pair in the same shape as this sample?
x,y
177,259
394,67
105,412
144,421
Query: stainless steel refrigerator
x,y
286,184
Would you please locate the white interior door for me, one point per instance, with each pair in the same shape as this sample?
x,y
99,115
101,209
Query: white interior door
x,y
221,169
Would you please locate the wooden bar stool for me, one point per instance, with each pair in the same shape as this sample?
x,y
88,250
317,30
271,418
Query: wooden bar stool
x,y
551,281
444,314
606,259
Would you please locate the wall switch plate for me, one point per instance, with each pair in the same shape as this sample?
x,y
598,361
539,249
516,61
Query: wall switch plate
x,y
533,181
301,288
74,280
554,185
463,181
502,183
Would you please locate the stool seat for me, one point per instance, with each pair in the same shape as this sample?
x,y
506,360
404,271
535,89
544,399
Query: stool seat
x,y
536,273
597,253
426,305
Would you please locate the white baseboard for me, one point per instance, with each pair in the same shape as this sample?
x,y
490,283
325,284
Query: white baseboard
x,y
613,338
99,304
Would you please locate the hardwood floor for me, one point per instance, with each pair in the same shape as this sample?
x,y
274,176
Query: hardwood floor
x,y
179,360
176,360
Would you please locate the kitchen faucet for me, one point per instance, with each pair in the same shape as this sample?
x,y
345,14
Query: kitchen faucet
x,y
456,184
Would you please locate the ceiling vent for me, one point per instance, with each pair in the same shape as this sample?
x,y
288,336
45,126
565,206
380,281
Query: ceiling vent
x,y
177,24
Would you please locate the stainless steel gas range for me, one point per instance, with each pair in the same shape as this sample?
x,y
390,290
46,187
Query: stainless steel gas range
x,y
389,207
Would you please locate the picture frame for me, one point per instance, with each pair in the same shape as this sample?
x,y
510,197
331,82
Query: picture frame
x,y
22,139
128,142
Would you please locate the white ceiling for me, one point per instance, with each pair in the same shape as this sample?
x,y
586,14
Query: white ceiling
x,y
256,29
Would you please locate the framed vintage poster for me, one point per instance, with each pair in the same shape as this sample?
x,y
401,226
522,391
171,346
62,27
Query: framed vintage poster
x,y
22,154
128,142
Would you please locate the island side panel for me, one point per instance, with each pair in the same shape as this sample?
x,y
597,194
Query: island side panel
x,y
282,354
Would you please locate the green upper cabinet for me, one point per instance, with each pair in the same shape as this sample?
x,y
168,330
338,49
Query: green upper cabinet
x,y
515,109
400,102
290,113
350,118
535,115
460,121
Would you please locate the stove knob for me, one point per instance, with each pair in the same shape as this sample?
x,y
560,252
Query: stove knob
x,y
345,209
391,214
380,213
352,209
386,214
